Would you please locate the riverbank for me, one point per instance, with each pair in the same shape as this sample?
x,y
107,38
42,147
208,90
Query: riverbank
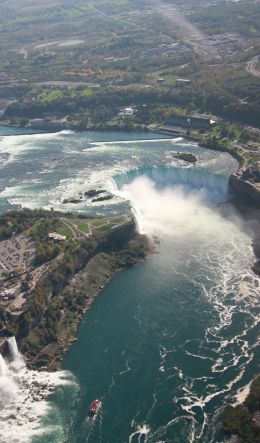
x,y
243,184
243,181
49,125
83,289
243,421
52,269
250,214
151,291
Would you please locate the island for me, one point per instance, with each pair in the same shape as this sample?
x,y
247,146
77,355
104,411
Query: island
x,y
186,156
95,195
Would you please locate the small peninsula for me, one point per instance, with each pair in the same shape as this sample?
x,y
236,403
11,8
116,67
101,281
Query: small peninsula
x,y
52,267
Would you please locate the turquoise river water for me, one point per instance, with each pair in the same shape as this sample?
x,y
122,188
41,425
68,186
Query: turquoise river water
x,y
169,342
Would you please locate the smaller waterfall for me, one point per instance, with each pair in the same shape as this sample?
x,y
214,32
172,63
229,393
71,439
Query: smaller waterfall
x,y
8,387
3,367
13,348
23,396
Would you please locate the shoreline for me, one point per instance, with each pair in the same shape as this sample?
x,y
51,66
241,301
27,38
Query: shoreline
x,y
245,196
46,128
89,281
240,188
64,345
102,261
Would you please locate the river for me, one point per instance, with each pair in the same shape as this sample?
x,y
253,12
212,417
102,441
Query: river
x,y
169,342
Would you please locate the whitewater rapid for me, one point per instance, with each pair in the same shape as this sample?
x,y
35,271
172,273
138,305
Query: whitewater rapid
x,y
168,342
42,170
179,208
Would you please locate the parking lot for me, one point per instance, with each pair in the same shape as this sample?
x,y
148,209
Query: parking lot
x,y
15,254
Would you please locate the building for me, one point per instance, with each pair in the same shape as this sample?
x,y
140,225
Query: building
x,y
57,237
190,121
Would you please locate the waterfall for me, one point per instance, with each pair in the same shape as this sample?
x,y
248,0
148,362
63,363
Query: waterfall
x,y
3,367
8,373
216,185
13,348
8,388
24,396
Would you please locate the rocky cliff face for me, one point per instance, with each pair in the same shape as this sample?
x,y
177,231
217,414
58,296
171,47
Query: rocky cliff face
x,y
244,189
246,199
67,291
117,237
3,347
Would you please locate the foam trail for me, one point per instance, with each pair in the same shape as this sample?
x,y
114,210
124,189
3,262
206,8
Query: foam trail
x,y
242,394
127,142
143,430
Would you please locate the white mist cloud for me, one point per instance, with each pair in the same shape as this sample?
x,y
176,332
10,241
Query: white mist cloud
x,y
186,217
173,211
191,229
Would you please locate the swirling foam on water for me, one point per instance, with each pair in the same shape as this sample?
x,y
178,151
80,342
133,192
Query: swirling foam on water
x,y
15,145
183,218
210,251
66,164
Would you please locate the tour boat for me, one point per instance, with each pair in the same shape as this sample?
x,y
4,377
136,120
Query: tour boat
x,y
94,407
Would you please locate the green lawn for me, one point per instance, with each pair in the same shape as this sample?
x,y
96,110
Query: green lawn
x,y
103,228
98,222
81,225
170,80
117,220
52,96
63,229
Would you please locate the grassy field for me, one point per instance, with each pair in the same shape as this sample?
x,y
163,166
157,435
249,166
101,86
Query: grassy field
x,y
103,228
97,222
81,225
63,229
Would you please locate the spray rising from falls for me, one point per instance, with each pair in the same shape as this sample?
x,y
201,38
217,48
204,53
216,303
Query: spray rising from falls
x,y
211,253
164,199
23,396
